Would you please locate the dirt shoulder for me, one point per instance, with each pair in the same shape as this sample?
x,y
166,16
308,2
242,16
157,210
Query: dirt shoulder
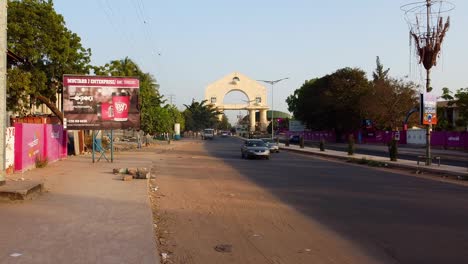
x,y
206,211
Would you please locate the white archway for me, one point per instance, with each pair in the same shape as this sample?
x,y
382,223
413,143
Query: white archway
x,y
255,92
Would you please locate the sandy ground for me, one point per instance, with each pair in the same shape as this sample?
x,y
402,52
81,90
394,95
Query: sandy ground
x,y
206,212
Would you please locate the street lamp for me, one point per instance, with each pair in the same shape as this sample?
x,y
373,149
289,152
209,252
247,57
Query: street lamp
x,y
272,83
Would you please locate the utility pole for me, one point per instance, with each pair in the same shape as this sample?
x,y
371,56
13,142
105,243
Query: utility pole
x,y
272,83
171,98
3,71
428,40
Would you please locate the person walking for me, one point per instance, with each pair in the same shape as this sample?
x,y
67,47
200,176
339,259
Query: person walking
x,y
138,136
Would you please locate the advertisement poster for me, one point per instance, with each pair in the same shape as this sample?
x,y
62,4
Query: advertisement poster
x,y
100,102
429,109
10,150
296,126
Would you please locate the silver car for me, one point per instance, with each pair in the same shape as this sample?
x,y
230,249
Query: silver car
x,y
271,144
255,148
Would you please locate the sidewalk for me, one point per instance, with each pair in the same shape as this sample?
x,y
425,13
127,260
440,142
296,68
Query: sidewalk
x,y
86,214
407,164
409,149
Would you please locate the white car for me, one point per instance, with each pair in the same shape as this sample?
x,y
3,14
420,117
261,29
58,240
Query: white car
x,y
271,144
208,133
255,148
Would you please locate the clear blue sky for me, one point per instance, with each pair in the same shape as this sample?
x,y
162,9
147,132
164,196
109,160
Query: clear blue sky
x,y
202,41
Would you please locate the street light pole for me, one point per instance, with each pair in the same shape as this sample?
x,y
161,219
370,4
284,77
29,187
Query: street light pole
x,y
272,83
3,71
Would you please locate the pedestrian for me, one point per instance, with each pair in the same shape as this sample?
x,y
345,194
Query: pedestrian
x,y
147,139
138,135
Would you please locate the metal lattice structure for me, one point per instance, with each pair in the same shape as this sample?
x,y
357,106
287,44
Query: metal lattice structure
x,y
428,22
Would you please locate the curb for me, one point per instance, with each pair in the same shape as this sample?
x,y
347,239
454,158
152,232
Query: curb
x,y
14,191
390,164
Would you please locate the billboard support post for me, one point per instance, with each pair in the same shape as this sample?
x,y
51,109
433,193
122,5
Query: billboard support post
x,y
112,145
92,143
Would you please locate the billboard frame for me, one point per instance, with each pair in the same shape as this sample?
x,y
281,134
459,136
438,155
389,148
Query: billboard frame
x,y
92,102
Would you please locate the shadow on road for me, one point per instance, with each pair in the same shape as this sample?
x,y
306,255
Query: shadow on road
x,y
412,220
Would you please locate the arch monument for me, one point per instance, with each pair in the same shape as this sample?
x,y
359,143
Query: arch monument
x,y
255,92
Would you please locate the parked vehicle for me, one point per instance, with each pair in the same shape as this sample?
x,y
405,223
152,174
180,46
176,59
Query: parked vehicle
x,y
271,144
255,148
207,133
295,139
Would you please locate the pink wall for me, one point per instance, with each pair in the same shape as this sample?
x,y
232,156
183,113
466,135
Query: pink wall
x,y
29,145
34,141
55,142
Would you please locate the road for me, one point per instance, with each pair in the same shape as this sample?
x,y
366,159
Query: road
x,y
302,209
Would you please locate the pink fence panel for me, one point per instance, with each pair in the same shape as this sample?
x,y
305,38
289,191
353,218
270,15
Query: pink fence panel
x,y
29,145
457,140
438,138
328,136
55,142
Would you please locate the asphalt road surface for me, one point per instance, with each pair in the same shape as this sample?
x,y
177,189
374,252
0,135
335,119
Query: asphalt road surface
x,y
301,209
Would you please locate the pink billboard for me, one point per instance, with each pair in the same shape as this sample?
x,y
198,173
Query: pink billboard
x,y
100,102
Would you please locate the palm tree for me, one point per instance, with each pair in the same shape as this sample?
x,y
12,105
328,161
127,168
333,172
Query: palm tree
x,y
199,115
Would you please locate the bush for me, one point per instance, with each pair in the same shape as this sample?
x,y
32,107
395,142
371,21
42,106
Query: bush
x,y
351,147
41,162
322,145
393,149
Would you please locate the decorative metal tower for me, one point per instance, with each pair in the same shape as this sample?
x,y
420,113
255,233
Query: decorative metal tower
x,y
428,22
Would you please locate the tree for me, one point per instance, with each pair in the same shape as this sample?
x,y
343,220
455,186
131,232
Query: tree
x,y
332,101
442,121
380,74
39,35
198,116
389,99
461,100
224,123
154,117
389,102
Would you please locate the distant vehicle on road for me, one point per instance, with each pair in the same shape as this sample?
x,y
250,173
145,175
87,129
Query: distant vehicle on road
x,y
224,133
255,148
208,133
294,139
271,144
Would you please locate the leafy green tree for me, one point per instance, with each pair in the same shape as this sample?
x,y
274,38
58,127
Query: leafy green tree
x,y
224,123
199,115
332,101
39,35
389,99
442,122
389,102
461,100
380,74
447,95
154,117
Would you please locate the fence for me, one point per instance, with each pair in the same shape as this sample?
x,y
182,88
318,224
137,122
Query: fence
x,y
456,140
34,142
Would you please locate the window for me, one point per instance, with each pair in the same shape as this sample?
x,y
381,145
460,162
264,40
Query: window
x,y
213,100
258,100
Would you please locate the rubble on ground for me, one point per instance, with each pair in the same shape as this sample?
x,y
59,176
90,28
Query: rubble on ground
x,y
132,173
